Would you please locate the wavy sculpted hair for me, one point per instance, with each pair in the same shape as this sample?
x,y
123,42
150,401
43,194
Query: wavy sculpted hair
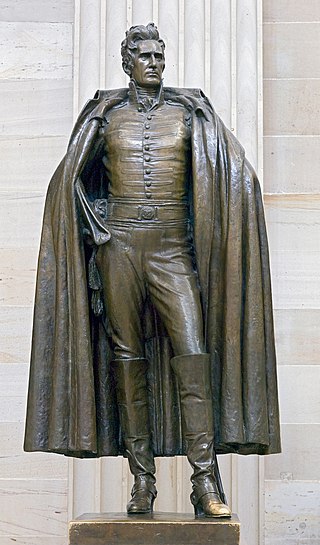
x,y
134,35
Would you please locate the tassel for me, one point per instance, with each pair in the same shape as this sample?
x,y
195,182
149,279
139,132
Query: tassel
x,y
95,284
97,303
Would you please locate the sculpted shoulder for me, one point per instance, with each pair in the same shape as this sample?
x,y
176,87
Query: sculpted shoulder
x,y
107,94
170,92
192,98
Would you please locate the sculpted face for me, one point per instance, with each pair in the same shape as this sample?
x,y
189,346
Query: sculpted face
x,y
148,64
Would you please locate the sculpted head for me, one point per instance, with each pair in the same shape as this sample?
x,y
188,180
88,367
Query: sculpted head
x,y
142,53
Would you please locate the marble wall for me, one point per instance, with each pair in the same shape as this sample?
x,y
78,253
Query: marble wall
x,y
291,180
36,99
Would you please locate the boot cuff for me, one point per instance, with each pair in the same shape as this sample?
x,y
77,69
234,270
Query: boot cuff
x,y
190,358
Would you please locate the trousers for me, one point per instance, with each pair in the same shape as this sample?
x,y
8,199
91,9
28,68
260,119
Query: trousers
x,y
154,261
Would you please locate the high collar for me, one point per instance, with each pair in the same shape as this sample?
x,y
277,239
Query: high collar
x,y
146,102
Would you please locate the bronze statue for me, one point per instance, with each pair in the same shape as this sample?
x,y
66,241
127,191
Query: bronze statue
x,y
153,331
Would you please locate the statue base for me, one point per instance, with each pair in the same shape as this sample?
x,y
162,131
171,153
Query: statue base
x,y
153,529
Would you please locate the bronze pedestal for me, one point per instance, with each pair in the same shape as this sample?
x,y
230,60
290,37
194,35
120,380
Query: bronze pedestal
x,y
153,529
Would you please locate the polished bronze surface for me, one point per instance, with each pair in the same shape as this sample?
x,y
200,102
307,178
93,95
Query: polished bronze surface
x,y
193,374
158,165
153,329
132,398
153,529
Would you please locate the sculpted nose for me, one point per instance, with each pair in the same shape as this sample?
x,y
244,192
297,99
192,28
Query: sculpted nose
x,y
152,60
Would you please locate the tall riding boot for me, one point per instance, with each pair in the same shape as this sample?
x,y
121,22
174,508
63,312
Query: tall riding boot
x,y
193,374
131,388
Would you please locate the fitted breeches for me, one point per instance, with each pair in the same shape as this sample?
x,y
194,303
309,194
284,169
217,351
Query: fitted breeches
x,y
156,262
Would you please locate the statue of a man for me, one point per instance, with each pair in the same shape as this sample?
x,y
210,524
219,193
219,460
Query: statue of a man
x,y
155,216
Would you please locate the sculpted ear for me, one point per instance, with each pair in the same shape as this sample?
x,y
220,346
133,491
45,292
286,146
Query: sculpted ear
x,y
127,69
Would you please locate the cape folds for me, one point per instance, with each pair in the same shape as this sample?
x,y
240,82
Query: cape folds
x,y
71,403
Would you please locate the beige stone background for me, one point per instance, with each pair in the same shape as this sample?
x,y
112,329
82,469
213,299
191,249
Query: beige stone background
x,y
251,57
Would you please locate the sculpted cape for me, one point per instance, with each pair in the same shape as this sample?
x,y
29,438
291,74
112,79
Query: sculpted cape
x,y
71,404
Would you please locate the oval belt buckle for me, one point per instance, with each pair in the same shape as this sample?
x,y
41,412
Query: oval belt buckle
x,y
147,212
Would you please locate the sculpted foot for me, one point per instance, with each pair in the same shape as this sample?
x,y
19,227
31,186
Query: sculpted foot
x,y
141,502
210,505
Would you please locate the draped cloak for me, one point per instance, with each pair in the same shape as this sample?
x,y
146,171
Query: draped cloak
x,y
72,406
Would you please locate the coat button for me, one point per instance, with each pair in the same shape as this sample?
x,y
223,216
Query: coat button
x,y
148,183
148,171
149,117
147,126
147,159
147,148
147,136
139,109
148,195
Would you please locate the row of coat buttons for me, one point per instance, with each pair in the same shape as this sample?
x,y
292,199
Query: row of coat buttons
x,y
147,158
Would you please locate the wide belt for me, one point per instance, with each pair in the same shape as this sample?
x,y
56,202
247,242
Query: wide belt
x,y
147,212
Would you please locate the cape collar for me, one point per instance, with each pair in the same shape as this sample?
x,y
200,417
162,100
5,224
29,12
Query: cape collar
x,y
192,99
